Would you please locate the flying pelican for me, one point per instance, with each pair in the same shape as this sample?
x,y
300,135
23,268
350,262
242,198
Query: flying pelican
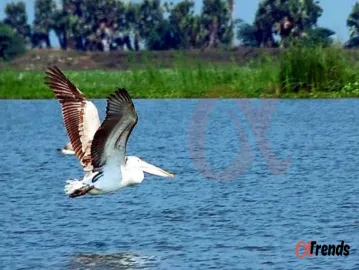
x,y
103,156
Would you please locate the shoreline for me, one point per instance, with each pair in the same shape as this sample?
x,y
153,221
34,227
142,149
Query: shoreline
x,y
318,96
296,73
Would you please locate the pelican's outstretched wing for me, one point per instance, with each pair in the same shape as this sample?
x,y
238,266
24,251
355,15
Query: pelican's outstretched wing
x,y
111,138
80,115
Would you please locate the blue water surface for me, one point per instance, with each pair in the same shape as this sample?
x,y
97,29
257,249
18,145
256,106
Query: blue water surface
x,y
252,179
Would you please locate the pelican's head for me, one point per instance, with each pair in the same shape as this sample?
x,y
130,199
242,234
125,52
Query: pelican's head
x,y
137,164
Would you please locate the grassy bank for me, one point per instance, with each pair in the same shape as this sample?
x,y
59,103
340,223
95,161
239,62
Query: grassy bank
x,y
149,83
297,73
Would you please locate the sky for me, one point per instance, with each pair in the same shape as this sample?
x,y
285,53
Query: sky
x,y
335,13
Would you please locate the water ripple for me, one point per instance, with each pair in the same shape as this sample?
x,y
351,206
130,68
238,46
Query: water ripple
x,y
192,222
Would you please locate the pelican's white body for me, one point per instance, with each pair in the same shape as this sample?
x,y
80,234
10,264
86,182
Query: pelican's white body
x,y
113,178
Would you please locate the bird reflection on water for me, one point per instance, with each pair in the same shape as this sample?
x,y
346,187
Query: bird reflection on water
x,y
120,260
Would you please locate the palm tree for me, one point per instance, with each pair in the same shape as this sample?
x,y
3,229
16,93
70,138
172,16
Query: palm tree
x,y
44,15
16,18
286,18
353,20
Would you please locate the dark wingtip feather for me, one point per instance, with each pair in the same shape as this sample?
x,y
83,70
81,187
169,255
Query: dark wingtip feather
x,y
118,101
121,95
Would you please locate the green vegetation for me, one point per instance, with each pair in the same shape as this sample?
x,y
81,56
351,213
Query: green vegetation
x,y
314,69
353,24
299,72
309,65
149,83
104,25
11,44
115,25
289,19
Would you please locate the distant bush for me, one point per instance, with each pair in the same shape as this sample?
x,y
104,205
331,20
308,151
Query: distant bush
x,y
11,44
351,89
310,68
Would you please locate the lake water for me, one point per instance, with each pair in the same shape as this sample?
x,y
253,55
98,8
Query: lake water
x,y
273,184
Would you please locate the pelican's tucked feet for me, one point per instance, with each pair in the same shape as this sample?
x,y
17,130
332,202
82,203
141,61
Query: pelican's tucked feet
x,y
75,188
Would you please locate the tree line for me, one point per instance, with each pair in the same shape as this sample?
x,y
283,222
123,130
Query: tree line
x,y
104,25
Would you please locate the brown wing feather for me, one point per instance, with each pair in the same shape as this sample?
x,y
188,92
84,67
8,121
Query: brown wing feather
x,y
121,118
63,88
73,103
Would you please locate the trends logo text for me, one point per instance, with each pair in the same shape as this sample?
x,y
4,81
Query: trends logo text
x,y
311,248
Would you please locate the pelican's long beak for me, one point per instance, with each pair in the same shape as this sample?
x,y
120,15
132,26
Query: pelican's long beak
x,y
151,169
